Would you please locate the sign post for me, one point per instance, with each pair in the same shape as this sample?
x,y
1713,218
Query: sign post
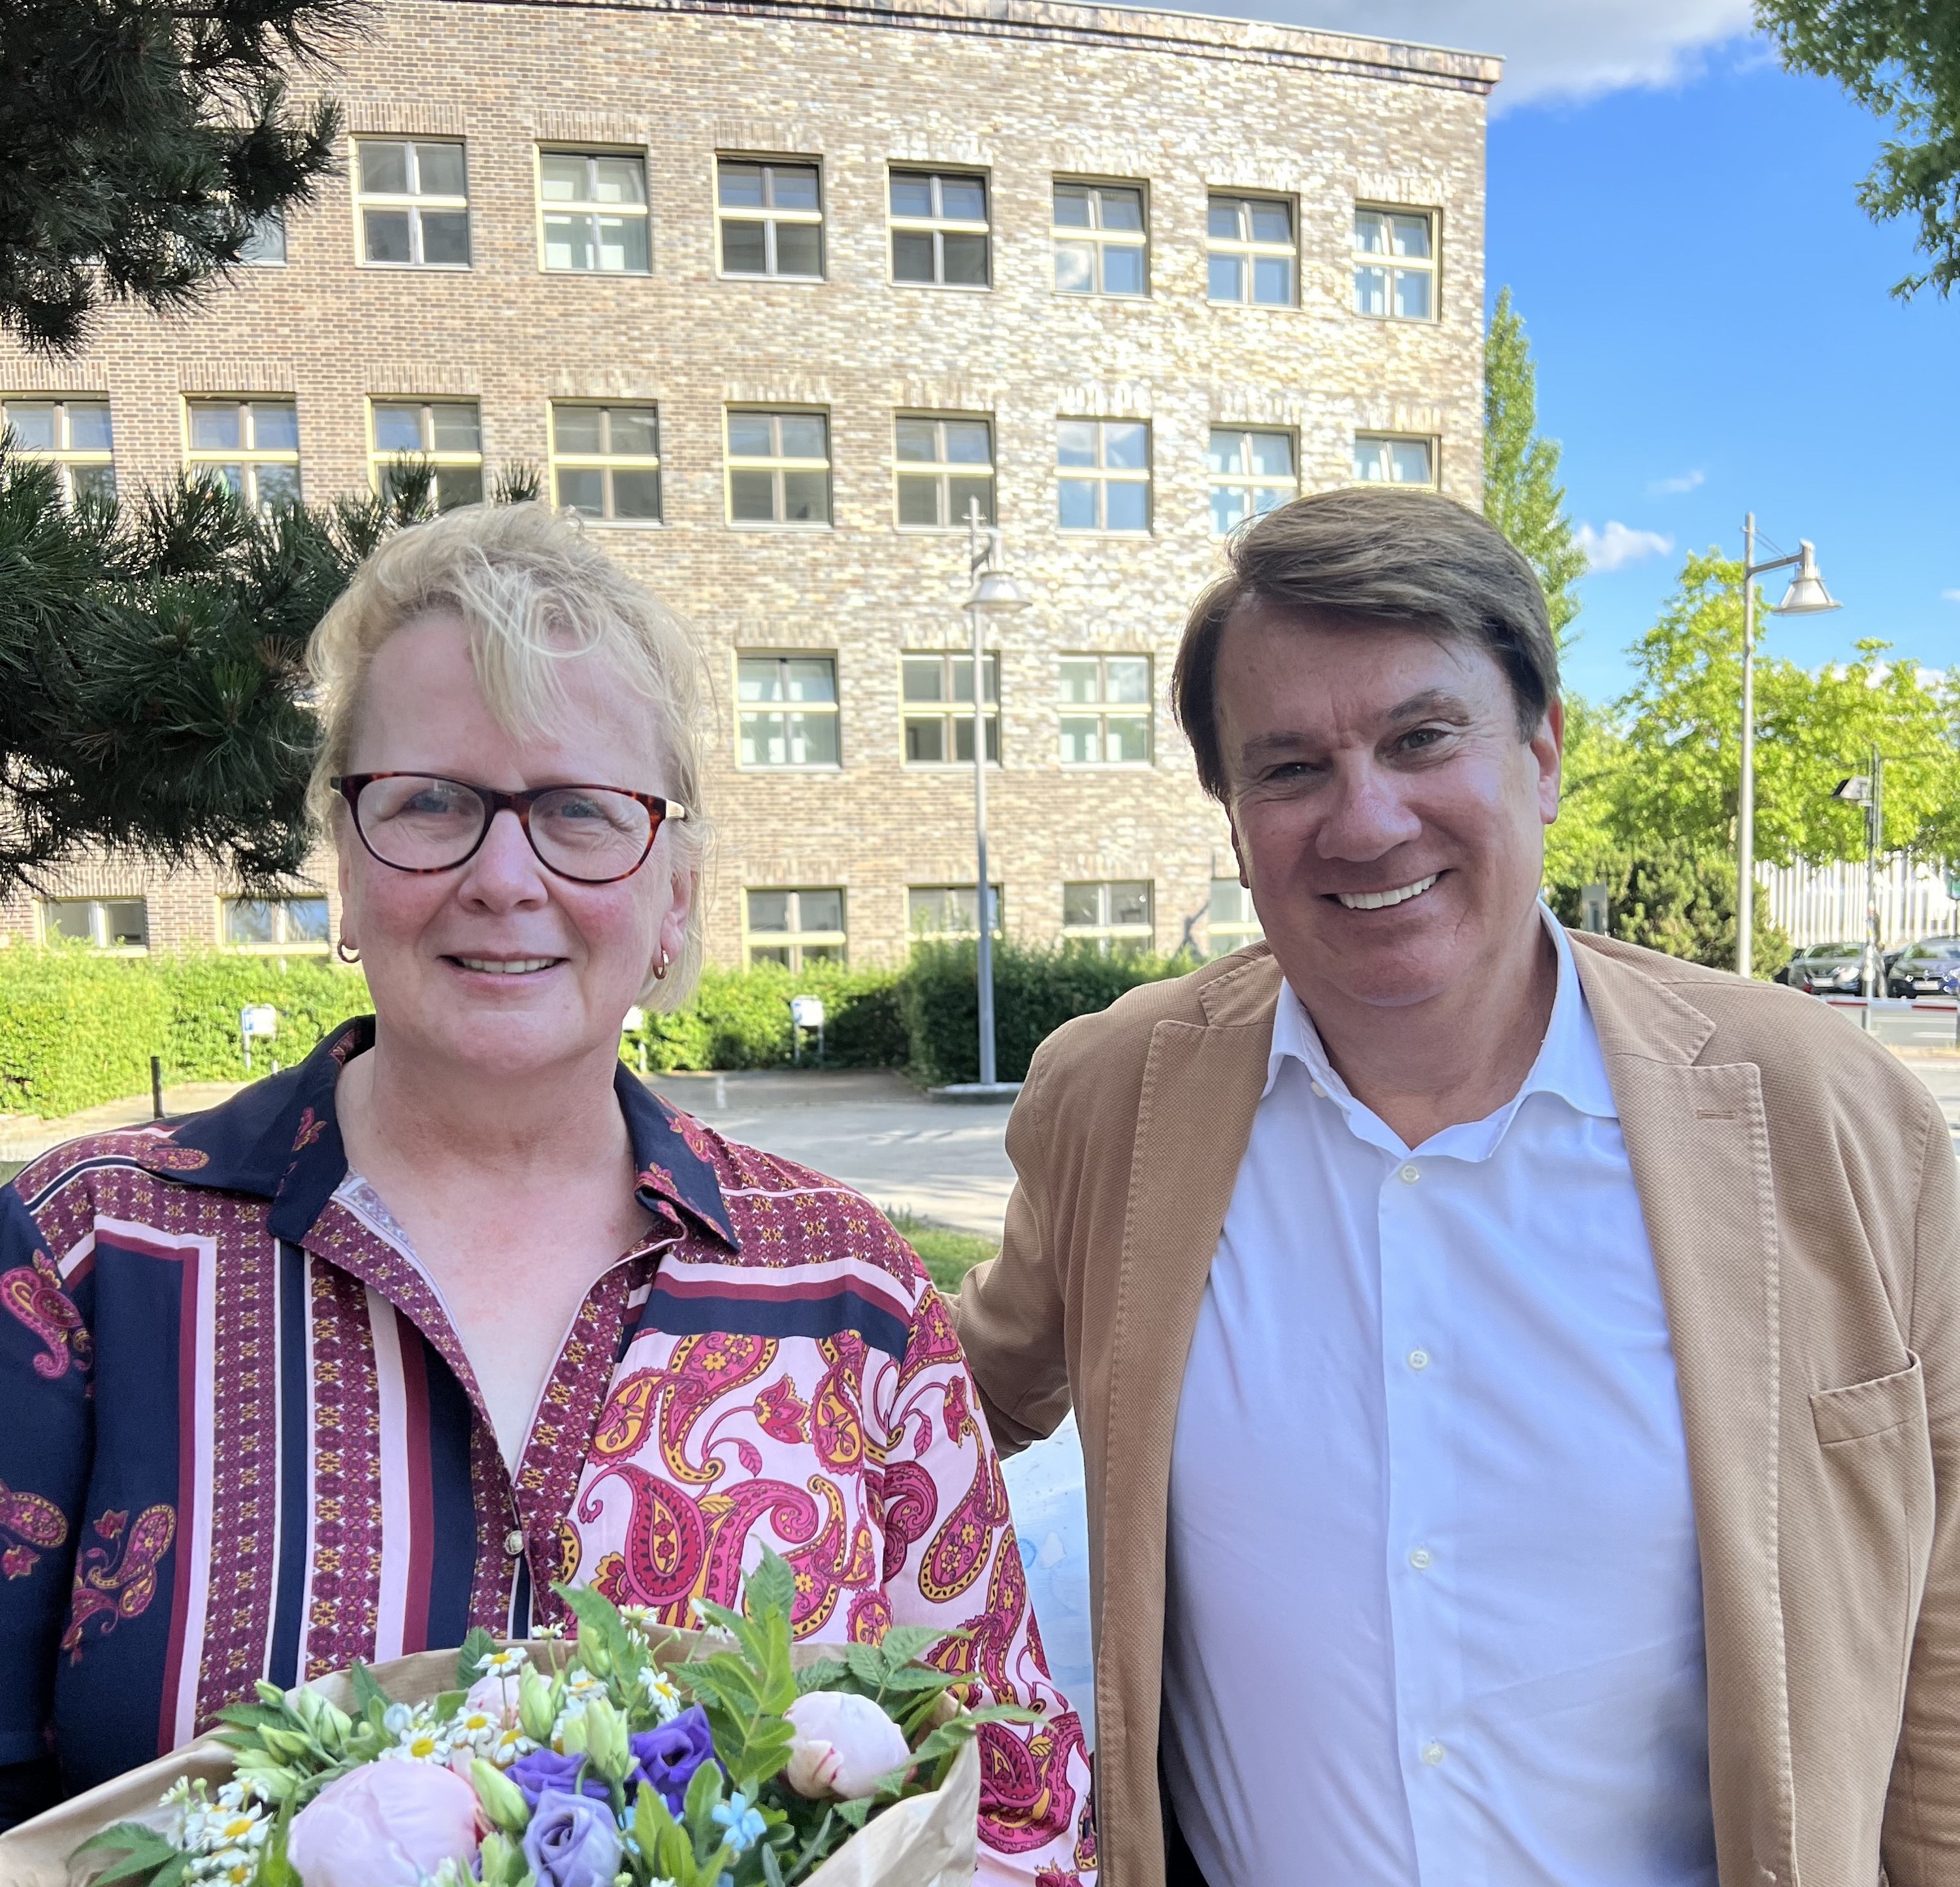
x,y
257,1022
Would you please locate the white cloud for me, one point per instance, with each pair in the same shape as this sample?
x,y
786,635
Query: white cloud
x,y
1553,49
1673,487
1619,545
1949,596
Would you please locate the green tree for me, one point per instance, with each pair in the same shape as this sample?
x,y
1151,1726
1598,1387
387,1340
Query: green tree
x,y
1682,903
1521,494
143,140
1677,786
151,666
1584,847
1901,60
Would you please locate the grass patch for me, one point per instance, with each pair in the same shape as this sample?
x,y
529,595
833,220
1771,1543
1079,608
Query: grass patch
x,y
947,1254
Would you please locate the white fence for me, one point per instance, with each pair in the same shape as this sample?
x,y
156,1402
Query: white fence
x,y
1825,903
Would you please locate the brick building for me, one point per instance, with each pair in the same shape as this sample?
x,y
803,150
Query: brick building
x,y
772,291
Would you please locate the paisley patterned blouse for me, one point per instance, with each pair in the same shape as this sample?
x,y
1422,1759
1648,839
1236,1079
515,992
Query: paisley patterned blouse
x,y
241,1440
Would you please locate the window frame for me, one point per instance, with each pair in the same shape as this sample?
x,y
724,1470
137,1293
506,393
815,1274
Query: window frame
x,y
606,462
1099,710
248,459
253,256
1247,481
1248,249
278,946
68,459
542,148
938,225
378,462
1101,475
997,905
941,471
832,708
948,709
1390,265
1107,936
777,464
1100,239
796,940
98,927
769,215
1224,935
413,202
1431,441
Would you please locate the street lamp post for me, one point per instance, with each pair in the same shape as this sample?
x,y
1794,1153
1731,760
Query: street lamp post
x,y
1868,790
993,592
1806,595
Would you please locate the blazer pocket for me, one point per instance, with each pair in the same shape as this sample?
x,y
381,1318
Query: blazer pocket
x,y
1860,1410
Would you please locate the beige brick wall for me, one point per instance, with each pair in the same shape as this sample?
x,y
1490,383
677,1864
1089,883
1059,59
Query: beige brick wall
x,y
1020,90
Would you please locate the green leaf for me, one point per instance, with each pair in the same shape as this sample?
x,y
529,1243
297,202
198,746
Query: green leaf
x,y
144,1851
771,1587
598,1616
869,1666
902,1643
477,1646
829,1674
367,1692
856,1813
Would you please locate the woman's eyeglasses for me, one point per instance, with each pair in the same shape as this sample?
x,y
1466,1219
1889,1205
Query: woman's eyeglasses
x,y
420,821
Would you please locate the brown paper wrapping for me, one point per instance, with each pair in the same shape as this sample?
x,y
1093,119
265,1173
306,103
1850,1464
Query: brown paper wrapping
x,y
928,1840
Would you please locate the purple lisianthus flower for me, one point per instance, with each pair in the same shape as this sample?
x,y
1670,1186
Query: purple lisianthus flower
x,y
668,1757
573,1841
544,1770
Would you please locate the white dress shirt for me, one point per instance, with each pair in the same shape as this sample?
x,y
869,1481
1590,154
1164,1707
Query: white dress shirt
x,y
1435,1608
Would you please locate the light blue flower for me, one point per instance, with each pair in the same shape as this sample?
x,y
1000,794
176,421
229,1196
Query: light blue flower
x,y
745,1825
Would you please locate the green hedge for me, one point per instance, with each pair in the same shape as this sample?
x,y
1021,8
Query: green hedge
x,y
78,1028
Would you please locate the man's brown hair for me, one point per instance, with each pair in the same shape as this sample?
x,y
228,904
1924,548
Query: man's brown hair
x,y
1365,555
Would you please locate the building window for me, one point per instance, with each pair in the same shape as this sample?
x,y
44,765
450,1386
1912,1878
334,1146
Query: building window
x,y
1383,458
944,466
1233,923
110,923
291,923
778,468
938,230
592,212
771,218
1098,239
787,711
1253,255
795,927
1251,472
252,446
1105,710
1110,916
1394,264
447,434
945,910
1105,475
606,462
74,436
938,691
265,247
414,203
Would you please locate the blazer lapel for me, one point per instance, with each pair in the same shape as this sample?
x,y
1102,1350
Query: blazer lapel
x,y
1697,1140
1201,1086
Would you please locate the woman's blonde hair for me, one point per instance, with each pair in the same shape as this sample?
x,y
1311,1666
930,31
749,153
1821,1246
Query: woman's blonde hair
x,y
533,591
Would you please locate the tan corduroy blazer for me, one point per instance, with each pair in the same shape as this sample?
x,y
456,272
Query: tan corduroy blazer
x,y
1799,1189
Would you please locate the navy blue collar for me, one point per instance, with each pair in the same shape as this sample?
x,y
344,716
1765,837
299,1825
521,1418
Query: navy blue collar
x,y
279,1140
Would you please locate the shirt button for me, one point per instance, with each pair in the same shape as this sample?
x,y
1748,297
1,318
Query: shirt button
x,y
1320,1091
1418,1359
514,1544
1422,1559
1410,1174
1433,1753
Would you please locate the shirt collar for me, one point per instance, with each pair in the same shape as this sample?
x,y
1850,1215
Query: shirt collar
x,y
1570,1063
279,1140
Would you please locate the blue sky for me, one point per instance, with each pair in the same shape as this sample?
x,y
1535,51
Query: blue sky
x,y
1710,313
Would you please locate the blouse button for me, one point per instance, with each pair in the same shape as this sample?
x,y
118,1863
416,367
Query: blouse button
x,y
514,1544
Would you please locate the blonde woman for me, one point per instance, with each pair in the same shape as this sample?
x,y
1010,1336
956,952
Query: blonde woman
x,y
388,1343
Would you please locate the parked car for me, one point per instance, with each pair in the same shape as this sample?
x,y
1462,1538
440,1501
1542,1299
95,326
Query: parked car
x,y
1928,968
1820,969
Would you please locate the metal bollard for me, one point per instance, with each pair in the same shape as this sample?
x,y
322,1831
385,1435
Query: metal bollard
x,y
155,1088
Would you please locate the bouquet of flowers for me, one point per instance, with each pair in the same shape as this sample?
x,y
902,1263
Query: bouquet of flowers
x,y
610,1759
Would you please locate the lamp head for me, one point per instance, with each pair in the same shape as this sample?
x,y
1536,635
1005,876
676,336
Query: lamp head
x,y
1806,595
996,593
1856,790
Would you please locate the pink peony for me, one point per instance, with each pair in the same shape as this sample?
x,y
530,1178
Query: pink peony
x,y
385,1824
495,1692
843,1744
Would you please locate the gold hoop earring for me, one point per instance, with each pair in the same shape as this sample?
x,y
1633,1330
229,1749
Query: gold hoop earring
x,y
345,955
660,967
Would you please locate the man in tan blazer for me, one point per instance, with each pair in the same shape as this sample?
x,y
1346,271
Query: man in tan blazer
x,y
1517,1372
